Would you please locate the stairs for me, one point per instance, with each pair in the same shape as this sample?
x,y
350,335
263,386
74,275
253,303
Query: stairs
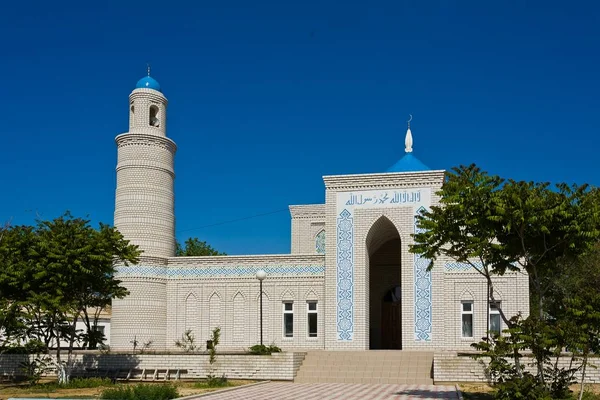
x,y
375,366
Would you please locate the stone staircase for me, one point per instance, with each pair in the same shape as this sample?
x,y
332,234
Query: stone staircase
x,y
375,366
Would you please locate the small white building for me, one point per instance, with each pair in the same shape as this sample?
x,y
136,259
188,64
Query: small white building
x,y
349,283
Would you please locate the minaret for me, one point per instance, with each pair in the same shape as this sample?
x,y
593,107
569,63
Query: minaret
x,y
144,206
145,215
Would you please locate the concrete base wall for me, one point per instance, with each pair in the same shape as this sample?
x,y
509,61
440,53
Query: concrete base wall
x,y
448,366
278,366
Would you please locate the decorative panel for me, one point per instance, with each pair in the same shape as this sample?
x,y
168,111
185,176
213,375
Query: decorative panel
x,y
346,203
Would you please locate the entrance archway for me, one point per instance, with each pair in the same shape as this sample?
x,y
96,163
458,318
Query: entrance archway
x,y
384,271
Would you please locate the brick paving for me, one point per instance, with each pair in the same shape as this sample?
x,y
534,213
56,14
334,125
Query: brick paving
x,y
331,391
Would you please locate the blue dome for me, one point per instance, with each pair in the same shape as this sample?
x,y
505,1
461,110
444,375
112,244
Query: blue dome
x,y
408,163
148,82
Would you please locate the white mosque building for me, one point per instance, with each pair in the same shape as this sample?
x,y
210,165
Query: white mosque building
x,y
349,283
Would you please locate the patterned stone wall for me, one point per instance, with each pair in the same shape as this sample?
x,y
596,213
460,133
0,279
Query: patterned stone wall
x,y
462,284
145,204
448,366
204,292
308,222
375,196
278,366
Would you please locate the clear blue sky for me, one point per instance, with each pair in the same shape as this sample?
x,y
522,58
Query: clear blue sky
x,y
267,97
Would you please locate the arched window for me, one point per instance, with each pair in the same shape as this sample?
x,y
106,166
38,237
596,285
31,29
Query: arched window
x,y
154,121
320,242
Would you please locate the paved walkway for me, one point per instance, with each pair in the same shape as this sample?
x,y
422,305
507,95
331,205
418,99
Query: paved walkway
x,y
330,391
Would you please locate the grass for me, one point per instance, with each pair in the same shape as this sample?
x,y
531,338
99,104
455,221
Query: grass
x,y
50,389
140,392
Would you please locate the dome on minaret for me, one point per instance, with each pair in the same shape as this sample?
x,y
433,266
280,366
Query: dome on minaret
x,y
148,82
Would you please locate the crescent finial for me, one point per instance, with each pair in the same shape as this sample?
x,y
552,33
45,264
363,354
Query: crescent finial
x,y
410,119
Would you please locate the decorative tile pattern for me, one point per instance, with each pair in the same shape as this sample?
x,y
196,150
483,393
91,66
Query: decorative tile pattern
x,y
462,267
345,278
320,243
245,271
422,293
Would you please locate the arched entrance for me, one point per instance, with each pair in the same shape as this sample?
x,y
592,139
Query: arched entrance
x,y
384,272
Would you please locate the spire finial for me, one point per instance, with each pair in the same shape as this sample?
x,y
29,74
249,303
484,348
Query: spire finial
x,y
148,65
408,141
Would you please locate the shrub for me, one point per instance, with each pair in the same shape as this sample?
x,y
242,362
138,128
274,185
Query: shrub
x,y
261,349
526,388
35,368
187,343
141,392
213,382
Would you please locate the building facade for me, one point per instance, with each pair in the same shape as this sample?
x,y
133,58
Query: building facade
x,y
350,282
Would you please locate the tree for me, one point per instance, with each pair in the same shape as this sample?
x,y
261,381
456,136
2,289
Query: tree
x,y
193,247
574,304
58,270
498,225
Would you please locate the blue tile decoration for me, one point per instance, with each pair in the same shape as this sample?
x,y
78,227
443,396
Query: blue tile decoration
x,y
214,272
462,267
320,243
345,278
422,293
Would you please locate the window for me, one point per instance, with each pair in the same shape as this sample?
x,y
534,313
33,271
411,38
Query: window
x,y
288,319
495,320
311,309
154,121
467,319
99,328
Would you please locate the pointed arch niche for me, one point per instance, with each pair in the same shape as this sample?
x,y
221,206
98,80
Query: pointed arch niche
x,y
214,312
384,265
240,322
192,314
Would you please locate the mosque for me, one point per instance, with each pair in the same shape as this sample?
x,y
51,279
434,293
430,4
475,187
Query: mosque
x,y
349,283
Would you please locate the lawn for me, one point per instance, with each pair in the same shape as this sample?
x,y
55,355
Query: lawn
x,y
51,390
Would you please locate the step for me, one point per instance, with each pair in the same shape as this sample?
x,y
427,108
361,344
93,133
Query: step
x,y
378,366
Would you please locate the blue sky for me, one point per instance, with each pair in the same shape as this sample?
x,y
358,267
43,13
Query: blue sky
x,y
267,97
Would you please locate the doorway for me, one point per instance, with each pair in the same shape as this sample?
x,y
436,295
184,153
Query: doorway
x,y
385,294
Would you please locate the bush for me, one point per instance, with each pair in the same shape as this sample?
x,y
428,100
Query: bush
x,y
213,382
141,392
261,349
525,388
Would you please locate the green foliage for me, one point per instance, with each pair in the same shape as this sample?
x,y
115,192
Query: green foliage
x,y
187,343
261,349
193,247
212,351
213,381
551,232
33,369
33,346
141,392
52,274
526,387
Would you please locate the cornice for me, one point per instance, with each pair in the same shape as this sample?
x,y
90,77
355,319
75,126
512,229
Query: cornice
x,y
384,180
123,138
311,211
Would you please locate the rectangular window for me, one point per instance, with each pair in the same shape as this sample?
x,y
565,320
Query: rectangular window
x,y
288,319
467,319
311,309
495,320
99,328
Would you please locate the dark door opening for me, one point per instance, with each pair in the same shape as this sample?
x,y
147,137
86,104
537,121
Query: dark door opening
x,y
391,320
